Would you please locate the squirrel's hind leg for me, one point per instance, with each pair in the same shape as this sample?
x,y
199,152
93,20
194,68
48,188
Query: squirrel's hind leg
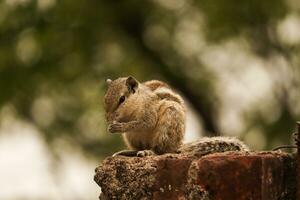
x,y
126,153
144,153
170,130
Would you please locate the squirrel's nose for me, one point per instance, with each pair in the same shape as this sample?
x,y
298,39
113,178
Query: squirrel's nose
x,y
112,117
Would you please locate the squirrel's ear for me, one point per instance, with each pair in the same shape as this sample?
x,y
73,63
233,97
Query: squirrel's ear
x,y
132,84
108,81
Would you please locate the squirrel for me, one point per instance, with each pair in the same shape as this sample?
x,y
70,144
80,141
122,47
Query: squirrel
x,y
151,117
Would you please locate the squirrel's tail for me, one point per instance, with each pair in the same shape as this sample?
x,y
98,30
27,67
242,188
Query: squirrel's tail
x,y
208,145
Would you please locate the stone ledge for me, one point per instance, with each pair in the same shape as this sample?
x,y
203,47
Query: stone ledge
x,y
219,176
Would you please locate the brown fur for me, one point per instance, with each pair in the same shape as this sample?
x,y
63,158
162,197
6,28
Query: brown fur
x,y
151,118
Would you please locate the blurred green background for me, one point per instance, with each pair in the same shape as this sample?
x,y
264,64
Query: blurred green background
x,y
236,63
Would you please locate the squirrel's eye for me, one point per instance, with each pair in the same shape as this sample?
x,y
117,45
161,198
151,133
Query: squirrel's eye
x,y
122,99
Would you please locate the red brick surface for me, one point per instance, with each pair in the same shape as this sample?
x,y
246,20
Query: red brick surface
x,y
220,176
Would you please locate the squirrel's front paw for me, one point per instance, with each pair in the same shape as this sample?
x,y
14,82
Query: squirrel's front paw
x,y
115,127
145,153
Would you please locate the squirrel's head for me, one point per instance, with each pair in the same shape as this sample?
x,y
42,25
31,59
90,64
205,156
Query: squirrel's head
x,y
119,95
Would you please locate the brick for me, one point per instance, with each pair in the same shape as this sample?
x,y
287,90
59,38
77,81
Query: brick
x,y
231,175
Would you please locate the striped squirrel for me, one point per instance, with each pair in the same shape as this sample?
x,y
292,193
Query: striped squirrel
x,y
151,117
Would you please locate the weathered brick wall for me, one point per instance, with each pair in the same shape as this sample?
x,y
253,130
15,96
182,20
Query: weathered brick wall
x,y
219,176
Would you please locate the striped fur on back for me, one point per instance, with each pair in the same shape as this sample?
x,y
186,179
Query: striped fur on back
x,y
163,91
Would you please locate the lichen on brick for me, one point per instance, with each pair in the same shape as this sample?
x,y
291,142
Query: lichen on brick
x,y
126,178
